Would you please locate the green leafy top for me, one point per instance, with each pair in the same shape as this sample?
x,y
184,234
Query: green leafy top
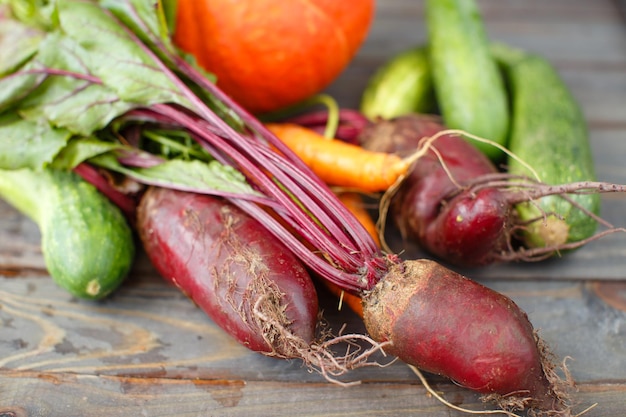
x,y
73,69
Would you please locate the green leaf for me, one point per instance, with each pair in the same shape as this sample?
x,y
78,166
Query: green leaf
x,y
96,70
111,53
147,20
28,143
34,13
81,149
169,10
16,86
72,97
191,175
18,43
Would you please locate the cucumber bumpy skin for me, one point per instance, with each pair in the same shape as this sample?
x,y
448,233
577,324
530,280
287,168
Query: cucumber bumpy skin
x,y
469,87
400,86
87,244
549,133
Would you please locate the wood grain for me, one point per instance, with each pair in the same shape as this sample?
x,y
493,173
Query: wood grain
x,y
148,351
89,396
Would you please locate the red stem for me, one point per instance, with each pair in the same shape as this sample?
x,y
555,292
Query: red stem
x,y
352,259
127,204
351,123
333,233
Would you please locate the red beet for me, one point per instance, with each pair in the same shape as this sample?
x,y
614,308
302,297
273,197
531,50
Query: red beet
x,y
247,281
457,206
430,207
450,325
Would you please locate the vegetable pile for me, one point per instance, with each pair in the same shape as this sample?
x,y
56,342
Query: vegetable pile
x,y
99,88
474,198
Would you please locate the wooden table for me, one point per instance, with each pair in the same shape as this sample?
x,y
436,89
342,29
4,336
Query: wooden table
x,y
147,351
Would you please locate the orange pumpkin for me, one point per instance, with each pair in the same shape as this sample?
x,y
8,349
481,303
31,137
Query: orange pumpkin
x,y
270,54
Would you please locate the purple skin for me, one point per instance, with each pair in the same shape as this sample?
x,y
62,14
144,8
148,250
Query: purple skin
x,y
230,266
463,228
445,323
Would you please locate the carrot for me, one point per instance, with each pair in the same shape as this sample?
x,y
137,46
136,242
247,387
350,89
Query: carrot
x,y
340,163
354,203
351,300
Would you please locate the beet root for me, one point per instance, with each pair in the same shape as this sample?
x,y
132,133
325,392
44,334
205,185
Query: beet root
x,y
444,323
247,281
429,207
457,206
471,228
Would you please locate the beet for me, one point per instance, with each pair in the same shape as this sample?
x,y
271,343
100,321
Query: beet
x,y
458,207
447,324
299,209
430,207
246,280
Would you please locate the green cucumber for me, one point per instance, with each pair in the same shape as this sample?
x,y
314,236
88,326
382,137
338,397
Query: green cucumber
x,y
401,85
469,87
549,133
87,244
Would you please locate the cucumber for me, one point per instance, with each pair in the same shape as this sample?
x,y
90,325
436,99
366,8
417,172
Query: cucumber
x,y
88,246
549,133
469,87
400,86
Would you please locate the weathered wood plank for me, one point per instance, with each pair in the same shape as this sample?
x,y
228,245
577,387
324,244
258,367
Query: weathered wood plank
x,y
29,394
148,328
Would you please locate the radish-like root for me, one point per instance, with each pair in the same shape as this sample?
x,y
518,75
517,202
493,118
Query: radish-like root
x,y
439,398
447,324
559,389
247,281
457,206
514,190
505,409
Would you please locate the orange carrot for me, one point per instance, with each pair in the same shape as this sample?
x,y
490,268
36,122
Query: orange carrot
x,y
339,163
354,203
349,299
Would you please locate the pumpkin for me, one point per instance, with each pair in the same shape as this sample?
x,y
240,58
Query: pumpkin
x,y
269,54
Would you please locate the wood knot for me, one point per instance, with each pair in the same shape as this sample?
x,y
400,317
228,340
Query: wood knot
x,y
13,412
